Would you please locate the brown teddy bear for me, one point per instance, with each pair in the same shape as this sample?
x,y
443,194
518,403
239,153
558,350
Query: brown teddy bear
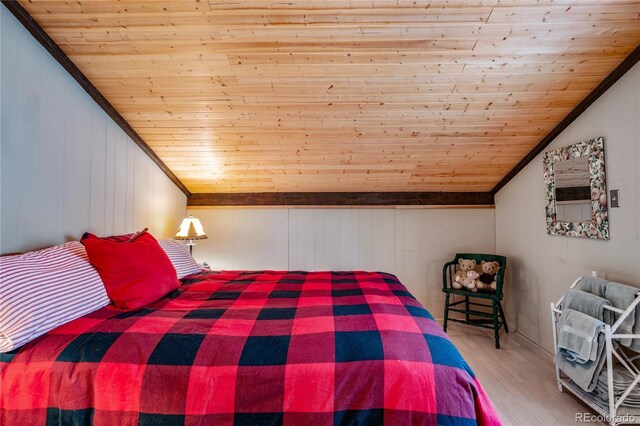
x,y
464,266
487,280
469,281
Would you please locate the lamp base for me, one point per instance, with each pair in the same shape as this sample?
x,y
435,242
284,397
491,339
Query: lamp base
x,y
190,244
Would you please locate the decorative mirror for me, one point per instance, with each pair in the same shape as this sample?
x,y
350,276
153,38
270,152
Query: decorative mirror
x,y
575,191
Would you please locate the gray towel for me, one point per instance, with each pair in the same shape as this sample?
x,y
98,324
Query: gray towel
x,y
584,375
594,285
577,336
621,381
635,343
621,296
603,403
587,303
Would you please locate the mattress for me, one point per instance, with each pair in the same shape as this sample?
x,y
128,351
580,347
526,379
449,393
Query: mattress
x,y
250,347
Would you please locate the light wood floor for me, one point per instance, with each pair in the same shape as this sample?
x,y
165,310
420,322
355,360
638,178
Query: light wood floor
x,y
519,377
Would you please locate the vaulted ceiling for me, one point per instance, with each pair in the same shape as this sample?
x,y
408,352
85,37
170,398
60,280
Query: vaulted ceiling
x,y
343,95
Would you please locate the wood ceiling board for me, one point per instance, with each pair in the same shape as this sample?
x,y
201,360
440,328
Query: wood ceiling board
x,y
343,95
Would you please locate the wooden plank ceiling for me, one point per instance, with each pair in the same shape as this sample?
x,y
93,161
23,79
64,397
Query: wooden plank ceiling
x,y
343,95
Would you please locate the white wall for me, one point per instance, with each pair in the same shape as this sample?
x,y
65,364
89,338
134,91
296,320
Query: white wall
x,y
66,167
543,266
412,243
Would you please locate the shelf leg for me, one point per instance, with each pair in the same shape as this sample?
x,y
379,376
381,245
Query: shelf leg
x,y
609,349
554,329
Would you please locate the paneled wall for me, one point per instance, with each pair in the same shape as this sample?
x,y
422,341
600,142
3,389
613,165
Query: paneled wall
x,y
66,167
543,265
411,243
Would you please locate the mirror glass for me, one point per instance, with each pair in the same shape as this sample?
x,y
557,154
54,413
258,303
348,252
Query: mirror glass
x,y
573,190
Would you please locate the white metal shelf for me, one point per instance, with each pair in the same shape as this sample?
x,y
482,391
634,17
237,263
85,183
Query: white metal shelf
x,y
615,412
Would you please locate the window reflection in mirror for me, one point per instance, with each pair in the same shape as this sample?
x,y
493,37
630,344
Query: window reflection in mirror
x,y
573,190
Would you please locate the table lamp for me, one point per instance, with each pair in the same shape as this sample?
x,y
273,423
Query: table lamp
x,y
190,230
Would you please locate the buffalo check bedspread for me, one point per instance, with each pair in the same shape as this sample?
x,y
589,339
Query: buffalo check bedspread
x,y
252,348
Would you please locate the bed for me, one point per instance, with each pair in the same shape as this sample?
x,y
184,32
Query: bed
x,y
250,347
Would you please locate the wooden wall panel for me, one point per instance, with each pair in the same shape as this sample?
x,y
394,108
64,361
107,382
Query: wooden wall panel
x,y
110,180
66,167
412,243
98,169
76,162
243,239
10,112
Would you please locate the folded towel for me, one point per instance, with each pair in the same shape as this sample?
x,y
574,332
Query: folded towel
x,y
584,375
621,296
587,303
622,379
635,343
594,285
603,396
577,335
603,403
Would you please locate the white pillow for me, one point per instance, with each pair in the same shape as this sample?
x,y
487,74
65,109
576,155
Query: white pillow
x,y
180,257
44,289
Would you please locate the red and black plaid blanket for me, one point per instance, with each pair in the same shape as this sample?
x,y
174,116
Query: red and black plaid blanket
x,y
250,348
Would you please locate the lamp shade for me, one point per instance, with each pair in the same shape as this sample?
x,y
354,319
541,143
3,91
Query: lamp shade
x,y
191,229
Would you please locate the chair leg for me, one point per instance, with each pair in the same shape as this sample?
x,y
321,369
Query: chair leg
x,y
504,319
446,312
495,324
466,308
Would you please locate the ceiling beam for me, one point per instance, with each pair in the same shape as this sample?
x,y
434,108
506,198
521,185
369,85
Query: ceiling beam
x,y
58,54
342,199
604,85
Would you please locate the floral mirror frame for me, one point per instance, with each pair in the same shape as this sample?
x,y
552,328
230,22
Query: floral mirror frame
x,y
598,226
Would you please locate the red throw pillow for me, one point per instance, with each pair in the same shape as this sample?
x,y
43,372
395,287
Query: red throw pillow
x,y
135,271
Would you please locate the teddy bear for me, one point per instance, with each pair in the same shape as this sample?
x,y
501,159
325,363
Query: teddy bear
x,y
487,280
469,281
464,266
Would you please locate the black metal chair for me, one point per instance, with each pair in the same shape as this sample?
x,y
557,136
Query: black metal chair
x,y
496,317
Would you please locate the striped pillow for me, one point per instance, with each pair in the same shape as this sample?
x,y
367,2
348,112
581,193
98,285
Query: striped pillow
x,y
44,289
180,257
